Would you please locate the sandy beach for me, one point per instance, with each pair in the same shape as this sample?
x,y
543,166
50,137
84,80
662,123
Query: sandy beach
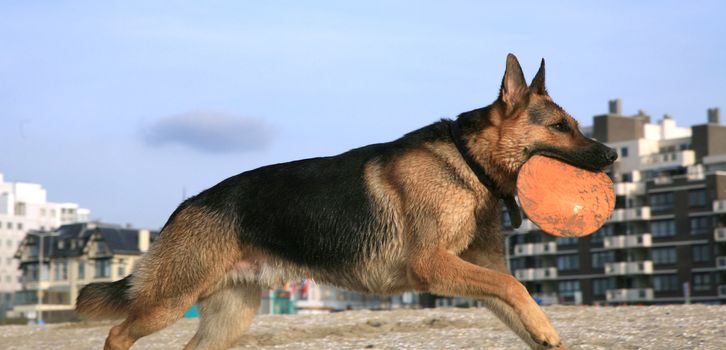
x,y
582,327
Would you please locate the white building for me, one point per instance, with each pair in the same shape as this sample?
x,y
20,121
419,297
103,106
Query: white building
x,y
24,207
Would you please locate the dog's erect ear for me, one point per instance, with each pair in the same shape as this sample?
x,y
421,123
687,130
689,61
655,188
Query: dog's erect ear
x,y
514,87
538,83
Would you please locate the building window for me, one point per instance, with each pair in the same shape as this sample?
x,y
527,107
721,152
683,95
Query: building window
x,y
516,264
20,209
567,240
697,198
61,270
664,256
20,226
601,258
9,225
702,253
624,152
30,273
568,288
568,262
702,281
102,268
701,225
661,201
605,231
663,228
121,270
81,270
665,283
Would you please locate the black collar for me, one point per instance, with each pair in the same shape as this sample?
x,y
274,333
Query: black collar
x,y
512,208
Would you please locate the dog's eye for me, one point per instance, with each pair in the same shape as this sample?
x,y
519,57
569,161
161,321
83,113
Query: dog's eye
x,y
561,126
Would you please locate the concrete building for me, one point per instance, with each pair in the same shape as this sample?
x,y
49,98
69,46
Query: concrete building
x,y
666,239
24,207
79,254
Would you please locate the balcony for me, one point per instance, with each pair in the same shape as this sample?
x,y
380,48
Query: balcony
x,y
628,241
668,159
536,274
629,268
527,225
629,295
631,214
524,249
524,274
545,273
528,249
721,262
719,206
629,188
719,234
722,291
545,248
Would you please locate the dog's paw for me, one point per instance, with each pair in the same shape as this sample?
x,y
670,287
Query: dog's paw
x,y
549,340
542,332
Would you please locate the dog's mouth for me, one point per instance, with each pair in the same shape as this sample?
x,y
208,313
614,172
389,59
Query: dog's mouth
x,y
590,158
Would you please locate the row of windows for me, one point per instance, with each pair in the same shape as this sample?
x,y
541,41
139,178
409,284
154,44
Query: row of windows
x,y
669,149
658,228
698,225
661,283
700,253
663,201
20,210
101,269
9,225
659,256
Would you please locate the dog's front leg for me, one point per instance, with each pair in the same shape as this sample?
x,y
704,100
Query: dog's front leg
x,y
490,257
444,273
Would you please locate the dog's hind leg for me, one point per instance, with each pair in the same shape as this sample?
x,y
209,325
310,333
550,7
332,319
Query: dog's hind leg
x,y
225,316
193,253
145,320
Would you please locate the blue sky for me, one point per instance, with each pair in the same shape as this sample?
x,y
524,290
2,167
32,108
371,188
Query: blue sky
x,y
122,107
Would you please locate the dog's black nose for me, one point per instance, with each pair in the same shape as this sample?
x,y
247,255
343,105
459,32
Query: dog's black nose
x,y
611,155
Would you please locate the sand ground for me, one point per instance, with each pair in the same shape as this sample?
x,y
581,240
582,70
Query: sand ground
x,y
633,327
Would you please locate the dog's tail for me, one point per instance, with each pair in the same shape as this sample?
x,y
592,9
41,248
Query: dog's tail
x,y
104,299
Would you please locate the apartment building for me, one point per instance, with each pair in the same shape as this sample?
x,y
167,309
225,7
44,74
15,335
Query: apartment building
x,y
24,207
666,239
75,255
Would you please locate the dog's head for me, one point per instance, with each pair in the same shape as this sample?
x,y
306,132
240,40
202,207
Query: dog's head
x,y
524,121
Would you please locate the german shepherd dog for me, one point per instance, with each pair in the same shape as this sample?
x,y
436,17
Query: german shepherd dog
x,y
410,214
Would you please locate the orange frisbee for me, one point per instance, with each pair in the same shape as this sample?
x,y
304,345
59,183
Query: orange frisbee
x,y
564,200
